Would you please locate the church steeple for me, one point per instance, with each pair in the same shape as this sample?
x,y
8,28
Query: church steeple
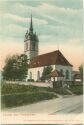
x,y
31,26
31,43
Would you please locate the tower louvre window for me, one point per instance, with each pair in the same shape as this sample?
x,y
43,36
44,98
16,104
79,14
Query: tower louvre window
x,y
67,74
33,46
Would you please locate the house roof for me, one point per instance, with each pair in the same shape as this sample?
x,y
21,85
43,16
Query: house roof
x,y
76,72
52,58
77,76
55,73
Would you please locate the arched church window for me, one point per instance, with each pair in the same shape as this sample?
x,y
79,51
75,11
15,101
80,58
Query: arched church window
x,y
30,75
38,75
61,71
67,74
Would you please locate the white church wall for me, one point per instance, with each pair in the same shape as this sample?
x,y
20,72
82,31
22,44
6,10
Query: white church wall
x,y
34,72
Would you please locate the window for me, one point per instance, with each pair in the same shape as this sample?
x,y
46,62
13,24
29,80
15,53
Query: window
x,y
33,46
61,71
38,75
67,74
30,75
26,46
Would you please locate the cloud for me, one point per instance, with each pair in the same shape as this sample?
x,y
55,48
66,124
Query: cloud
x,y
12,30
55,14
19,19
74,4
49,14
52,8
46,8
60,39
16,24
14,17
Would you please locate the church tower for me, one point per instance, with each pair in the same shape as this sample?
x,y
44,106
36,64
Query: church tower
x,y
31,43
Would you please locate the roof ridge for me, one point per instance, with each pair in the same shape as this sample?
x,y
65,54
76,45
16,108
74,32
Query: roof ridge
x,y
51,58
49,52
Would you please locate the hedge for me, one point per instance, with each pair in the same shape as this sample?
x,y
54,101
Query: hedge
x,y
14,100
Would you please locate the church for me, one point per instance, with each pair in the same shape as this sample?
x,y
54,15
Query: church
x,y
62,69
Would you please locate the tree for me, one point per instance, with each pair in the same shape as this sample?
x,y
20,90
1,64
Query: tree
x,y
81,71
47,70
16,68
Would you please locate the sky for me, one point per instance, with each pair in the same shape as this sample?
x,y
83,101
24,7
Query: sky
x,y
58,24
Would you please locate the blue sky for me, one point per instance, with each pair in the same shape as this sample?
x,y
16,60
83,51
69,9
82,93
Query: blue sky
x,y
57,22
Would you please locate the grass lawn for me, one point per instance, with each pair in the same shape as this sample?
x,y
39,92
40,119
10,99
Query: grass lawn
x,y
76,89
16,95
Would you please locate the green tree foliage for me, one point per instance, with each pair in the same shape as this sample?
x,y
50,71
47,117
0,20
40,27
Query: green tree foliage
x,y
47,70
15,68
81,71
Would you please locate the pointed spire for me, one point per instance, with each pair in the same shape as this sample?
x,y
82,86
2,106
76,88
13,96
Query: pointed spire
x,y
31,25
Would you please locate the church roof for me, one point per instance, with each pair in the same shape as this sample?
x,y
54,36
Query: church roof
x,y
52,58
55,73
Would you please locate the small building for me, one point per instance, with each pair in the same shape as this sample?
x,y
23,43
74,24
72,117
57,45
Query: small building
x,y
56,76
76,76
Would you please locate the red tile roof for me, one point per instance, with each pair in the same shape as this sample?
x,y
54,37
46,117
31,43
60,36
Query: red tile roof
x,y
55,73
52,58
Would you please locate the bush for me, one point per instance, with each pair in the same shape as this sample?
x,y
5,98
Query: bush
x,y
15,95
15,68
30,80
25,98
76,89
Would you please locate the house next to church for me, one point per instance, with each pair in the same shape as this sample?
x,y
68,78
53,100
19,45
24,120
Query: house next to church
x,y
62,69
